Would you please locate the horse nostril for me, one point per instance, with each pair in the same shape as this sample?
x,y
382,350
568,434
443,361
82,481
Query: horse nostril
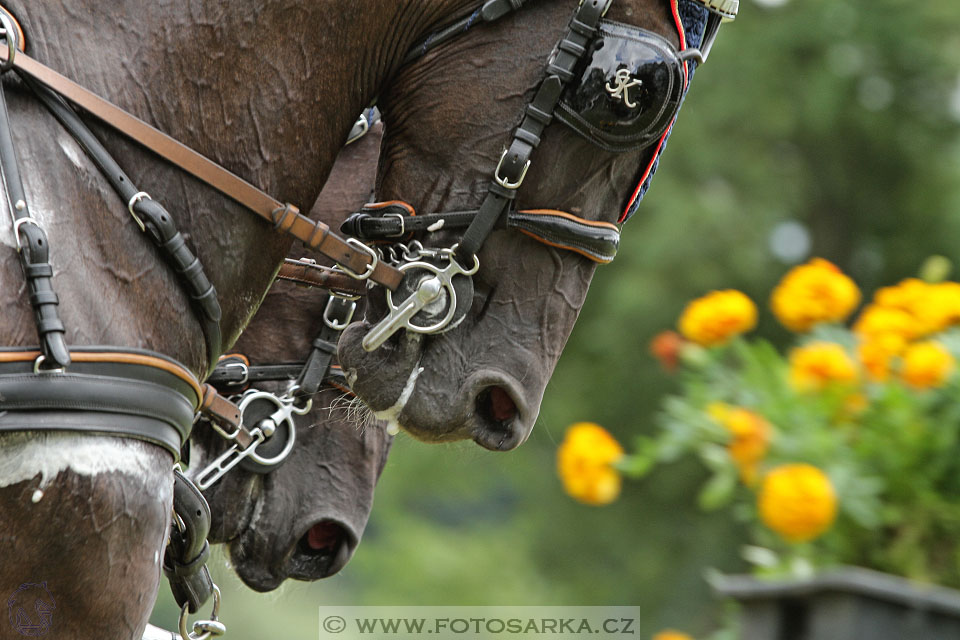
x,y
496,405
323,538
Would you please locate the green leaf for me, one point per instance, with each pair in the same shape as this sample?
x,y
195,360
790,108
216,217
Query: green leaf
x,y
719,490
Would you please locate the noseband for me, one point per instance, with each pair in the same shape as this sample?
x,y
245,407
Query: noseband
x,y
618,86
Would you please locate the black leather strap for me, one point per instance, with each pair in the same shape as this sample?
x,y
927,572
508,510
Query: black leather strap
x,y
516,161
490,11
597,241
123,399
151,216
34,251
184,561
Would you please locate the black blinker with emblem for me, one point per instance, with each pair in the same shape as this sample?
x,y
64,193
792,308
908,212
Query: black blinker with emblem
x,y
628,89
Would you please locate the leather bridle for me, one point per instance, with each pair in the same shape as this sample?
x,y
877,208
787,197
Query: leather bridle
x,y
147,396
437,288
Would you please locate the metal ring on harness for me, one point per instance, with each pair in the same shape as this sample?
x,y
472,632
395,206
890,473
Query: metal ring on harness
x,y
11,34
39,362
203,629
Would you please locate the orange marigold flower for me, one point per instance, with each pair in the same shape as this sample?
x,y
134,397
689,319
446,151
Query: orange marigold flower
x,y
877,354
931,307
670,634
717,317
797,501
813,293
666,346
926,365
750,437
585,464
876,320
818,365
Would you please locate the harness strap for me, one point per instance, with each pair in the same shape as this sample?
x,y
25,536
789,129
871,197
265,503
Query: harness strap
x,y
597,241
490,11
152,219
310,274
140,395
515,161
286,217
185,559
33,249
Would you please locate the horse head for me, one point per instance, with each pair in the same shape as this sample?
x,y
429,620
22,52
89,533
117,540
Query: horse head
x,y
304,518
616,86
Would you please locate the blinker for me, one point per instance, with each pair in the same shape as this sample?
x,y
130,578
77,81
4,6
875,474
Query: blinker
x,y
628,88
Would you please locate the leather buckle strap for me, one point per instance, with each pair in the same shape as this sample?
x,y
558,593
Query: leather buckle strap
x,y
309,274
314,234
132,394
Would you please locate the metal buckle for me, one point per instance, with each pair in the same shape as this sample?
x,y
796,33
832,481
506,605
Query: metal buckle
x,y
137,197
19,222
244,369
403,224
336,323
374,260
39,362
503,182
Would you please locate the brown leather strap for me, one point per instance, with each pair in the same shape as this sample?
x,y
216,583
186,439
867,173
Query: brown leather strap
x,y
218,409
314,275
286,217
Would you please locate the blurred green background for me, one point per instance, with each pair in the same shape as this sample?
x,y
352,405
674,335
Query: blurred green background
x,y
818,127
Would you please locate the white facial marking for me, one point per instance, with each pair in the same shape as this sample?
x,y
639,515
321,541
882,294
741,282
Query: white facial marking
x,y
25,455
37,496
390,415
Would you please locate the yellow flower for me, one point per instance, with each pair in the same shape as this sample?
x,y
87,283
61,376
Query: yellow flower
x,y
926,365
876,321
670,634
813,293
797,501
717,317
750,437
584,463
931,307
817,365
877,354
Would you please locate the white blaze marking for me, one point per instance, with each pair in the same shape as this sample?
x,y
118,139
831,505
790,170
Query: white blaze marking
x,y
37,496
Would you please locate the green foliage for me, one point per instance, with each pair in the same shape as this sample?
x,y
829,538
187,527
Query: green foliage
x,y
894,462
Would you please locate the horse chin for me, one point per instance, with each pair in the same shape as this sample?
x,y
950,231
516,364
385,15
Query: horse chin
x,y
404,383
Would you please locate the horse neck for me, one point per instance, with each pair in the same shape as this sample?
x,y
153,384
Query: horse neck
x,y
269,91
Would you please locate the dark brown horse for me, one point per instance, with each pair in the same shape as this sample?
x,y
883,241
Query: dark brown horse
x,y
304,519
446,128
270,90
86,515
